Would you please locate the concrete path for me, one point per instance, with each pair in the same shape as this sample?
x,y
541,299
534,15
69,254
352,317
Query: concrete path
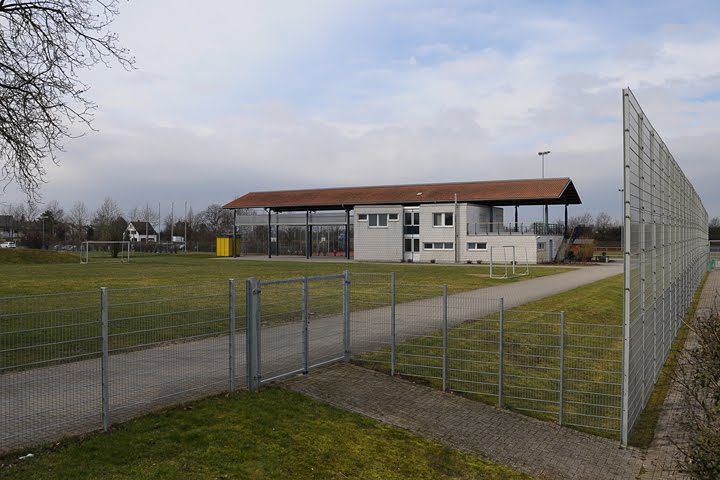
x,y
540,449
46,403
663,454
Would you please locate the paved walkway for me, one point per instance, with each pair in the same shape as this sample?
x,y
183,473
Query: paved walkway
x,y
663,454
540,449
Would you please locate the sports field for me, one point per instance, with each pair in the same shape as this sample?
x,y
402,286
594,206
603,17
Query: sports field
x,y
36,272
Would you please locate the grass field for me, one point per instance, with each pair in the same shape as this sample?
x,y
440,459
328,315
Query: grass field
x,y
268,435
36,272
593,358
67,323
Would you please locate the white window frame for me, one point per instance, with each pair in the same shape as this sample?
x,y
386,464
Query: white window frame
x,y
542,246
475,246
377,217
362,217
393,217
439,246
443,217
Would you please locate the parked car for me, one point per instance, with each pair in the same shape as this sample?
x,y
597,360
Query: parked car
x,y
7,245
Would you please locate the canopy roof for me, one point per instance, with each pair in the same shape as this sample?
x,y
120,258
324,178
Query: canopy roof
x,y
548,191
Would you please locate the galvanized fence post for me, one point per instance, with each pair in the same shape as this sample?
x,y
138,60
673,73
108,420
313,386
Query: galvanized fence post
x,y
445,337
501,349
231,334
252,314
562,363
346,314
392,324
305,328
105,372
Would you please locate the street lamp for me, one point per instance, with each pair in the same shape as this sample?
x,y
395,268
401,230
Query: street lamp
x,y
542,155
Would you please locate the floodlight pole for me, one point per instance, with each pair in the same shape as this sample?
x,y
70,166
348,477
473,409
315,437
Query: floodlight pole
x,y
545,218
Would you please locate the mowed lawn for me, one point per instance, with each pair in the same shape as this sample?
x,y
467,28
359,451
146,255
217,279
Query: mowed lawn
x,y
273,434
34,272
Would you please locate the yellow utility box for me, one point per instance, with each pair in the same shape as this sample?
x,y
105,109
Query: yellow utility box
x,y
224,247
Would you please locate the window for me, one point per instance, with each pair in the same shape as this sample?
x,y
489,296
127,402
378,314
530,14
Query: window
x,y
438,245
442,219
362,217
477,246
393,217
378,219
541,245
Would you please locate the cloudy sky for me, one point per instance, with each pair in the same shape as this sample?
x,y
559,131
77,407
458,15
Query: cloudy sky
x,y
230,97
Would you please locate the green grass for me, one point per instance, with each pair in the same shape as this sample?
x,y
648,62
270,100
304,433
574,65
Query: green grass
x,y
267,435
593,354
642,435
30,277
170,312
26,256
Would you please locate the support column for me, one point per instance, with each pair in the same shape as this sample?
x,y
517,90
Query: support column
x,y
307,233
565,230
277,239
269,237
234,235
516,218
347,233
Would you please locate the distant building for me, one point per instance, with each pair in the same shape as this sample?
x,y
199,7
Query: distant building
x,y
140,231
441,222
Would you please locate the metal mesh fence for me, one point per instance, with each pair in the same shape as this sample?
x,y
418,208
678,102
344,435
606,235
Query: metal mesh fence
x,y
531,362
74,362
168,344
666,254
49,366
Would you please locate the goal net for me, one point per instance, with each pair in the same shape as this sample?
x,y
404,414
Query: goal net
x,y
508,261
105,252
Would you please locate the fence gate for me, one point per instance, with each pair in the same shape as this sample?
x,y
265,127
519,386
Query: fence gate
x,y
296,324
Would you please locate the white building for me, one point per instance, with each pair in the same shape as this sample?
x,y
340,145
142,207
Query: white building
x,y
139,231
443,223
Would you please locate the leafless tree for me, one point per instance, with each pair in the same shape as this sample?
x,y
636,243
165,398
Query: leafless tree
x,y
603,221
57,212
44,46
217,219
584,219
105,220
78,218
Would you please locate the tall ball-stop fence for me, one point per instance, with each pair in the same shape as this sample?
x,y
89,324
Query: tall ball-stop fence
x,y
665,242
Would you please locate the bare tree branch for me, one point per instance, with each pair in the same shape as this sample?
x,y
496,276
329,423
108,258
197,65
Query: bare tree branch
x,y
44,45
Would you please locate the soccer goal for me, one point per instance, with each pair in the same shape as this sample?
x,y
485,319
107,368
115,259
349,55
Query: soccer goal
x,y
105,252
504,262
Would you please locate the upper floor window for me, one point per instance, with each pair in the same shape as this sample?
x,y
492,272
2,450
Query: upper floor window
x,y
442,219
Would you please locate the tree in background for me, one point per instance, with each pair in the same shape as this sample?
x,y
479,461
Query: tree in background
x,y
218,220
105,225
714,228
78,220
44,46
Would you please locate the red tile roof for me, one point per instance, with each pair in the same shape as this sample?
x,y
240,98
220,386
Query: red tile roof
x,y
551,191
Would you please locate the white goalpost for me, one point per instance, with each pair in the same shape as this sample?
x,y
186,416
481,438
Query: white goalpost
x,y
508,262
105,252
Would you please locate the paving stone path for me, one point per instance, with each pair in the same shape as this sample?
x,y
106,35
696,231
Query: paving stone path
x,y
542,450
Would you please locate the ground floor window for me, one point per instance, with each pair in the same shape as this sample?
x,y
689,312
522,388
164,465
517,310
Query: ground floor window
x,y
438,245
541,245
477,246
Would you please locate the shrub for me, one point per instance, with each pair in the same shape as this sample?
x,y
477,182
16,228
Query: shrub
x,y
698,378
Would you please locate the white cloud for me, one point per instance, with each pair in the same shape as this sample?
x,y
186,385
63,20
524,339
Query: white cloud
x,y
233,97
